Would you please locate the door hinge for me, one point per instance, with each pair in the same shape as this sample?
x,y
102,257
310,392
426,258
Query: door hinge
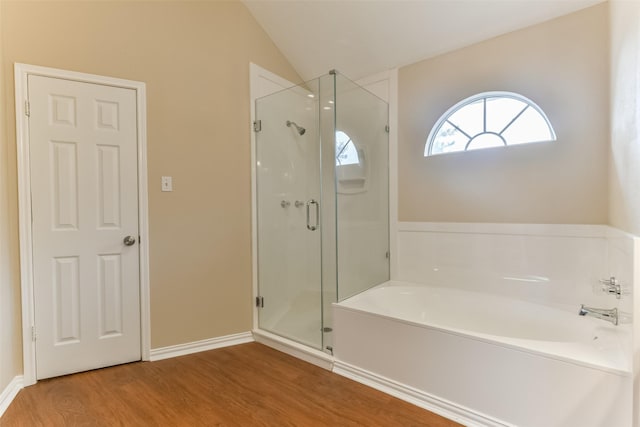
x,y
33,333
387,255
260,302
387,128
257,126
27,109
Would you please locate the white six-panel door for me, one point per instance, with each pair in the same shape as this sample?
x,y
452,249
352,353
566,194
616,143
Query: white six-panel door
x,y
84,193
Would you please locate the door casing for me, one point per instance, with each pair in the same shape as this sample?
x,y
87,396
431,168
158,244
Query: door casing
x,y
22,71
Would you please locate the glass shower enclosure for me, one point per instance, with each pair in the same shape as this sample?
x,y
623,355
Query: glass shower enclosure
x,y
322,194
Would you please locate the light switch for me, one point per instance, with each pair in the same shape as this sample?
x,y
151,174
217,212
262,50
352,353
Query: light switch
x,y
167,183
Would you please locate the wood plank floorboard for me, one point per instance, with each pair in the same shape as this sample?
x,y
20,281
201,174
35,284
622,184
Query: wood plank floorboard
x,y
244,385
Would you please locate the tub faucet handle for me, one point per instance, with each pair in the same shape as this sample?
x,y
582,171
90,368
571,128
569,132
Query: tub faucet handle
x,y
611,286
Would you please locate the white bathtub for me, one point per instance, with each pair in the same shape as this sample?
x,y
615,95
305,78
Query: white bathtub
x,y
483,359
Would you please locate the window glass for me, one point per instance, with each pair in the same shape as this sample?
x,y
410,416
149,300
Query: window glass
x,y
469,119
530,127
500,111
449,139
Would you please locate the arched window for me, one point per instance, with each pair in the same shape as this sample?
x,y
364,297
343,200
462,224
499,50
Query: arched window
x,y
489,119
346,152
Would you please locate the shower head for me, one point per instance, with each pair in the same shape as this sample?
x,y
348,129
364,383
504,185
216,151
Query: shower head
x,y
300,129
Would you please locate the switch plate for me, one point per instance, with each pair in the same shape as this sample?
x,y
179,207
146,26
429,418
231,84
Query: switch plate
x,y
167,183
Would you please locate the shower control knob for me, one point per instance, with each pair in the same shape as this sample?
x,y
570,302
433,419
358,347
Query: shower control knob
x,y
299,203
285,203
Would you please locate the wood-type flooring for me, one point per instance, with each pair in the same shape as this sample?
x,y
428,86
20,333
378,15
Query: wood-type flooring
x,y
243,385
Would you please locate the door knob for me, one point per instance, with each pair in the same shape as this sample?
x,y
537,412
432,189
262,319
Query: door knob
x,y
129,240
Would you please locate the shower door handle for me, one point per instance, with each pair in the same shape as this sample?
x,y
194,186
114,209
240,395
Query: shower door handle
x,y
309,226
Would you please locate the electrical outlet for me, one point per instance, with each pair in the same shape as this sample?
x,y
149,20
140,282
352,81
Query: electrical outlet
x,y
167,183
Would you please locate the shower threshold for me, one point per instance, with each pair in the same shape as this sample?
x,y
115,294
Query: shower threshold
x,y
295,349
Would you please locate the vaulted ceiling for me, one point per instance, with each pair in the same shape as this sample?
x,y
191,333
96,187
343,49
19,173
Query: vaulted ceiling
x,y
363,37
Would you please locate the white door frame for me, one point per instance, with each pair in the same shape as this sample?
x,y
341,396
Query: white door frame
x,y
22,71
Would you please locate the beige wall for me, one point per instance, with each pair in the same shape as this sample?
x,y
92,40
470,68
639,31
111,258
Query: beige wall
x,y
562,65
624,176
624,170
194,58
10,345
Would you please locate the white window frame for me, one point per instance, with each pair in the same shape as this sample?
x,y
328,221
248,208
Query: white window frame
x,y
474,98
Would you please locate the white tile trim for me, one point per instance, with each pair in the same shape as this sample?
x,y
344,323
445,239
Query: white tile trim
x,y
10,392
417,397
198,346
551,230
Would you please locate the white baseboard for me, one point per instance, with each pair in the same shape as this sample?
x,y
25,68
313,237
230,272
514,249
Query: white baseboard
x,y
198,346
292,348
10,392
417,397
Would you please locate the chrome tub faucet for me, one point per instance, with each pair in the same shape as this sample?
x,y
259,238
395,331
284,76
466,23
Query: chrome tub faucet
x,y
610,315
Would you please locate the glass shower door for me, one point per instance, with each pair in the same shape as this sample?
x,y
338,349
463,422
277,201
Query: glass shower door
x,y
362,188
288,215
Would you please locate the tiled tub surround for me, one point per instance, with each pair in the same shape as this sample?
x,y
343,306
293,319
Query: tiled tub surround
x,y
475,354
550,264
